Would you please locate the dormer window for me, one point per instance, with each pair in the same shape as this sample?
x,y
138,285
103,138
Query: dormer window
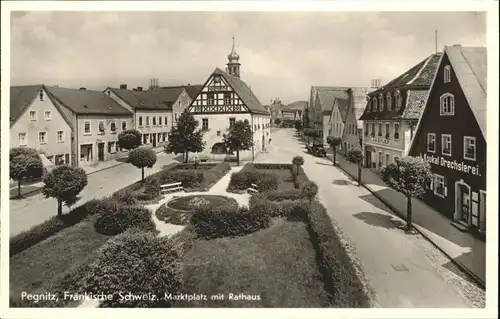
x,y
398,100
380,102
389,102
447,74
374,104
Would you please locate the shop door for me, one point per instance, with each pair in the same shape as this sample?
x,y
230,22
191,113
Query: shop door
x,y
100,152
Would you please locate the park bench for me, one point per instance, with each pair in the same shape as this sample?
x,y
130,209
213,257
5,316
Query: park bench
x,y
253,189
165,188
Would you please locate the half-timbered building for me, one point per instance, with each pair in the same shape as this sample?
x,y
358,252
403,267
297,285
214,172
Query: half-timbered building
x,y
451,136
224,99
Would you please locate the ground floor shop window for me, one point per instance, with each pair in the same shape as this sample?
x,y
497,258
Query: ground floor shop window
x,y
86,153
439,185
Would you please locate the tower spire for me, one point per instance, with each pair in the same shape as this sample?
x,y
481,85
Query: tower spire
x,y
233,64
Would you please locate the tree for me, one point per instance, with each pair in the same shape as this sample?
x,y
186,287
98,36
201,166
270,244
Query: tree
x,y
24,165
184,137
141,158
298,126
409,176
297,162
64,183
314,133
277,122
310,190
355,155
129,139
239,138
334,142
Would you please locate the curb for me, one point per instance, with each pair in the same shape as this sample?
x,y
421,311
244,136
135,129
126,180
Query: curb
x,y
466,270
39,190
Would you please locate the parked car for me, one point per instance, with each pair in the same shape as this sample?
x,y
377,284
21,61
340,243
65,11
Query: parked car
x,y
316,149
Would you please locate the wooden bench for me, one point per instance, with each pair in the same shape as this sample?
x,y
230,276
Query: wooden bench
x,y
165,188
253,189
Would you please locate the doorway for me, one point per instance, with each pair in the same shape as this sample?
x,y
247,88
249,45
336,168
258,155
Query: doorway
x,y
154,139
368,159
463,202
100,152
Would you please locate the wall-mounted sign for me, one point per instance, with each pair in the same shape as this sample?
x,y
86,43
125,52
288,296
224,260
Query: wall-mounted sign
x,y
458,166
217,88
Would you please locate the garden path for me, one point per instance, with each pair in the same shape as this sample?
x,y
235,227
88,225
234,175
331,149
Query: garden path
x,y
219,188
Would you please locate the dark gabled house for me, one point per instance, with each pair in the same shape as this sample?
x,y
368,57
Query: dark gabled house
x,y
451,136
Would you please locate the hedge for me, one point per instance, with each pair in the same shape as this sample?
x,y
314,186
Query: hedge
x,y
119,218
228,220
242,180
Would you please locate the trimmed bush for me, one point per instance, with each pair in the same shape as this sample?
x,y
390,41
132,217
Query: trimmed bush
x,y
137,263
281,195
105,205
267,182
188,178
152,187
125,197
123,218
337,268
228,221
283,208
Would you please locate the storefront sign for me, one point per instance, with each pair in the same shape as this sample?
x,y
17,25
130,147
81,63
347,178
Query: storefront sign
x,y
458,166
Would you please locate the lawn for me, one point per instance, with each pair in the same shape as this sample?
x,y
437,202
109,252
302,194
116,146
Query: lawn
x,y
277,264
39,268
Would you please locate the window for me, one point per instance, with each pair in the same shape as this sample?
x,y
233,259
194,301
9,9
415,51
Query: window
x,y
140,121
447,74
154,120
398,100
366,128
389,105
86,128
166,120
374,104
447,104
159,121
113,127
446,144
111,147
380,102
210,98
227,98
60,136
204,125
42,137
439,186
396,131
431,142
218,133
216,80
165,136
387,130
124,125
48,115
101,127
231,121
21,137
147,120
470,148
379,129
32,115
373,129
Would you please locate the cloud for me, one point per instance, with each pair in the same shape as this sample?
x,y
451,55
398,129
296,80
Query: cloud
x,y
282,54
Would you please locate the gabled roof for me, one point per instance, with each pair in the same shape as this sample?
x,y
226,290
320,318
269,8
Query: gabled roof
x,y
419,75
86,101
342,104
244,92
327,98
156,99
20,98
469,65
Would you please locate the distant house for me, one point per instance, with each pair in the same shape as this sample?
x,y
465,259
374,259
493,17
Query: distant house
x,y
224,99
392,112
352,126
37,121
337,118
96,120
451,136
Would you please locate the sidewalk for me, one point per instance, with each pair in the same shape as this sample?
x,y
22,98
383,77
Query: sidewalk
x,y
467,251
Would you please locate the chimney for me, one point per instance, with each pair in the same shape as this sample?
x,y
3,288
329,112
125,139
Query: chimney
x,y
123,86
139,88
375,83
83,89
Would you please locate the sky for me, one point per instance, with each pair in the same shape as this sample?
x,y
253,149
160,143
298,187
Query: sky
x,y
282,54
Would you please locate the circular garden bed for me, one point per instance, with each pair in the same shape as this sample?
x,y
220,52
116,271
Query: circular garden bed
x,y
178,210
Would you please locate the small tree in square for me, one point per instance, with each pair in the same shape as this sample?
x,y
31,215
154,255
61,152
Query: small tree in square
x,y
141,158
239,138
314,134
298,126
185,137
310,190
24,165
409,176
297,162
64,183
129,139
355,155
277,122
334,142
